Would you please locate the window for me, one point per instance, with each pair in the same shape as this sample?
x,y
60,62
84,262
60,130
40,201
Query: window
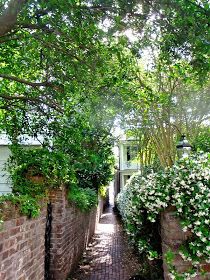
x,y
126,177
132,152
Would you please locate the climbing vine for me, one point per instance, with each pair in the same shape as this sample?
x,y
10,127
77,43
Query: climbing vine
x,y
28,205
32,171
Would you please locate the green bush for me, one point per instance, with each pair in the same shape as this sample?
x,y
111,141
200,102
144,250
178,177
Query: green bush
x,y
34,170
103,191
84,199
28,205
202,140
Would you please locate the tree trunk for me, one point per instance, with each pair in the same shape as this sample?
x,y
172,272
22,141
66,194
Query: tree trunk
x,y
8,17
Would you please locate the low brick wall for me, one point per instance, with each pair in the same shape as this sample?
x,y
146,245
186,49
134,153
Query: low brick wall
x,y
22,240
22,249
71,232
172,237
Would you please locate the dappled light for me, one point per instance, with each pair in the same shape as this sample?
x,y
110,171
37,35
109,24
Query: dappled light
x,y
108,256
94,97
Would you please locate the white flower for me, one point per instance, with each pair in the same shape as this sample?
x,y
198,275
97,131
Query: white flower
x,y
184,229
182,183
199,234
192,176
172,277
198,253
203,239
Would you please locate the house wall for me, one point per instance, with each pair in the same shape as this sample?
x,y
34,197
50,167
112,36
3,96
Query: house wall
x,y
5,184
127,167
126,164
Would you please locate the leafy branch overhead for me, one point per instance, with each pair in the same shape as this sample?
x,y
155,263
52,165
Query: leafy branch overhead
x,y
71,70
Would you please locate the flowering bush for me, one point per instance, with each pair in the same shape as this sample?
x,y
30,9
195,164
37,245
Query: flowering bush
x,y
140,203
190,186
185,186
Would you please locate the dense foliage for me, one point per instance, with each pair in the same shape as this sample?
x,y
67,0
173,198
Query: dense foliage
x,y
54,68
34,171
69,70
187,187
161,104
84,199
67,66
202,140
28,205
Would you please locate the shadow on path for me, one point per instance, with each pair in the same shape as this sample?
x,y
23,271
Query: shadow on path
x,y
108,256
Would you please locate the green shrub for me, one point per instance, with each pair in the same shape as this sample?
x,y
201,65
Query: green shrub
x,y
103,191
28,205
84,199
34,170
202,140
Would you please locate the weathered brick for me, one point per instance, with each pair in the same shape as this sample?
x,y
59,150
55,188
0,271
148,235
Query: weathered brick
x,y
14,231
172,237
69,233
20,221
19,238
205,267
2,275
22,247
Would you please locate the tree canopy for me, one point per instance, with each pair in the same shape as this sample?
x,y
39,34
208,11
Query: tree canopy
x,y
69,69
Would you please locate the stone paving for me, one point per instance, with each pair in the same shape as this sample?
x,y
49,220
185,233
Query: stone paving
x,y
109,256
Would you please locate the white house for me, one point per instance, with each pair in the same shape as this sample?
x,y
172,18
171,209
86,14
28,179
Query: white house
x,y
5,183
128,163
128,160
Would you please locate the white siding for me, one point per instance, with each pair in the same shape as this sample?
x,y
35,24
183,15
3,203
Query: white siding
x,y
130,165
125,164
5,184
27,142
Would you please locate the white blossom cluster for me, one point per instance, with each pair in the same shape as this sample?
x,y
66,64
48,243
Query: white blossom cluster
x,y
143,198
190,183
187,187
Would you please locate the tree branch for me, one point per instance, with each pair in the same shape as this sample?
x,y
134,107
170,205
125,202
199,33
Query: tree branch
x,y
32,84
19,80
34,100
8,17
38,27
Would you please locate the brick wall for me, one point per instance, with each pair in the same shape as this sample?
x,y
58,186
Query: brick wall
x,y
22,250
22,240
71,232
172,237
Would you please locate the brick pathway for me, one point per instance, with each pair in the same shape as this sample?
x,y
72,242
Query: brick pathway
x,y
108,257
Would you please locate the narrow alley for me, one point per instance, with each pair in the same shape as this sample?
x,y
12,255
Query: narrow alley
x,y
109,256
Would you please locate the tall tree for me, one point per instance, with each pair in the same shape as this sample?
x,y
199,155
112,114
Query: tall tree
x,y
168,104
